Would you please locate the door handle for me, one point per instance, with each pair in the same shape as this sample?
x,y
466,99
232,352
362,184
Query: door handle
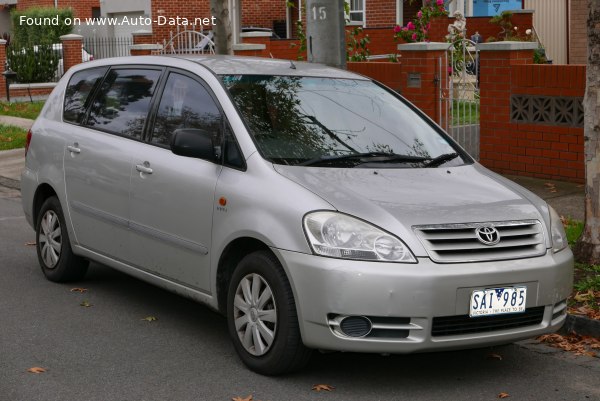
x,y
74,148
144,168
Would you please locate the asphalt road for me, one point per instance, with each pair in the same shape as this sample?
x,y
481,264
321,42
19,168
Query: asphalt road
x,y
107,352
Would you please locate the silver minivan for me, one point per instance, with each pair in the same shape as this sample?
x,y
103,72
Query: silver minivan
x,y
313,207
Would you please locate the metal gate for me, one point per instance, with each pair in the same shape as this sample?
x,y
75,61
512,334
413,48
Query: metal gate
x,y
459,94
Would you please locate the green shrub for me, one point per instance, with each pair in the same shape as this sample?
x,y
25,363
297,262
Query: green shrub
x,y
37,63
51,25
31,53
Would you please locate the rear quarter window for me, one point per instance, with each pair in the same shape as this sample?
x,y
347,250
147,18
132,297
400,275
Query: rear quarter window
x,y
77,95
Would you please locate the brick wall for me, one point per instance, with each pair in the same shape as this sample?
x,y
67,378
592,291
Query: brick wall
x,y
81,8
176,8
385,72
522,147
262,13
578,13
381,13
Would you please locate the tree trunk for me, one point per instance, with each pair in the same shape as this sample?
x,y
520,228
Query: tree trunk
x,y
223,37
587,249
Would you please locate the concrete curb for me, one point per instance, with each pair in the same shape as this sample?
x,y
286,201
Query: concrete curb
x,y
581,325
24,123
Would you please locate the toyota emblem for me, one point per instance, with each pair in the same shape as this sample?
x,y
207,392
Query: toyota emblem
x,y
487,235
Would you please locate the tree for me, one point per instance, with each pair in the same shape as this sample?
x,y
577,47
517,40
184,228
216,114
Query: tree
x,y
223,37
587,249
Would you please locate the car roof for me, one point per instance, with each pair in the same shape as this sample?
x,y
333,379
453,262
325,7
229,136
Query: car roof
x,y
236,65
239,65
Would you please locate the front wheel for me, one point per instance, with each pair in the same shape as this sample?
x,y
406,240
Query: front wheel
x,y
262,318
53,247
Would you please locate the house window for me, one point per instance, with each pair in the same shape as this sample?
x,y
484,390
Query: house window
x,y
357,12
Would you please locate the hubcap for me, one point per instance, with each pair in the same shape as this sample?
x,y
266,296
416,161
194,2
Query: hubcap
x,y
255,314
50,239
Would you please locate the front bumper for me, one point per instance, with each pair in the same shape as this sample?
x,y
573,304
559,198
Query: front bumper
x,y
408,297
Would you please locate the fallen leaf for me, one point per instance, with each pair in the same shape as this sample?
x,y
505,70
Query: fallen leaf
x,y
150,318
85,304
549,184
588,296
78,289
249,398
323,387
503,395
31,243
36,369
495,356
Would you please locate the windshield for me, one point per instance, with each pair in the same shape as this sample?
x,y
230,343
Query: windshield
x,y
335,122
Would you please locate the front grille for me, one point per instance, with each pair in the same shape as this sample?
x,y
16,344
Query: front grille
x,y
453,243
463,324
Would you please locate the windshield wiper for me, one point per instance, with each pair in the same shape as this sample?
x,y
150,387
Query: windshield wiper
x,y
361,158
441,159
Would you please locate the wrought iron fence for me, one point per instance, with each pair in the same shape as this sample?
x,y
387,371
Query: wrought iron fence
x,y
104,47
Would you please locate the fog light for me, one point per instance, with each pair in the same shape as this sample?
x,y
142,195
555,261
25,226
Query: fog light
x,y
356,326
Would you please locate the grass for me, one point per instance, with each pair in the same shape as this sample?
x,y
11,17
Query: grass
x,y
586,283
465,112
12,137
573,228
21,109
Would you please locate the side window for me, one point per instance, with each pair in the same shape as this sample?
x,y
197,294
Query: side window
x,y
77,95
123,102
185,103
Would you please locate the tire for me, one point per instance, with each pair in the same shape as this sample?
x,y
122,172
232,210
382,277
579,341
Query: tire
x,y
54,252
267,335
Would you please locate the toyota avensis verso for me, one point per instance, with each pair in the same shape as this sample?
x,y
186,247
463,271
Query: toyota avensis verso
x,y
313,207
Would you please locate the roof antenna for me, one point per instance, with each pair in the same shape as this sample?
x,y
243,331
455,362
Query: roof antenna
x,y
292,65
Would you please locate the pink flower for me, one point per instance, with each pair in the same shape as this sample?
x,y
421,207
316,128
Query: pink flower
x,y
397,28
405,29
414,36
420,14
428,25
410,26
440,2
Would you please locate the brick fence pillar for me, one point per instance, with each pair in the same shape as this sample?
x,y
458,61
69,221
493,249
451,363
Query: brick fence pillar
x,y
496,136
2,67
424,76
72,45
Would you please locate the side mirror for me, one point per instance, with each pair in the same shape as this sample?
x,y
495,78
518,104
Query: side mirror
x,y
194,142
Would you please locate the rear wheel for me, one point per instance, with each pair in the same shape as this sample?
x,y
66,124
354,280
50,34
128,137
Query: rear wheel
x,y
262,318
53,247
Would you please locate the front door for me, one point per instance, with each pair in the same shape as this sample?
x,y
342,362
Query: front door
x,y
172,197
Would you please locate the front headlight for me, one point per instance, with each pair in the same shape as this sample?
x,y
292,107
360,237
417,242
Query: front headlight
x,y
341,236
559,237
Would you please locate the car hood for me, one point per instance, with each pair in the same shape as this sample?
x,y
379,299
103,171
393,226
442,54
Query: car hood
x,y
398,199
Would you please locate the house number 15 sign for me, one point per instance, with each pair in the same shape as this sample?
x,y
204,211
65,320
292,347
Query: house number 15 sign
x,y
318,12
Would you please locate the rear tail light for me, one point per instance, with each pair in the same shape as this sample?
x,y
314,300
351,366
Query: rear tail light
x,y
28,142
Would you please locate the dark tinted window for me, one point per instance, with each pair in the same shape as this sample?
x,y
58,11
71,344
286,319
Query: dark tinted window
x,y
185,103
124,101
77,94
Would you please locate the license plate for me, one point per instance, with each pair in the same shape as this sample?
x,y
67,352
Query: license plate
x,y
497,301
